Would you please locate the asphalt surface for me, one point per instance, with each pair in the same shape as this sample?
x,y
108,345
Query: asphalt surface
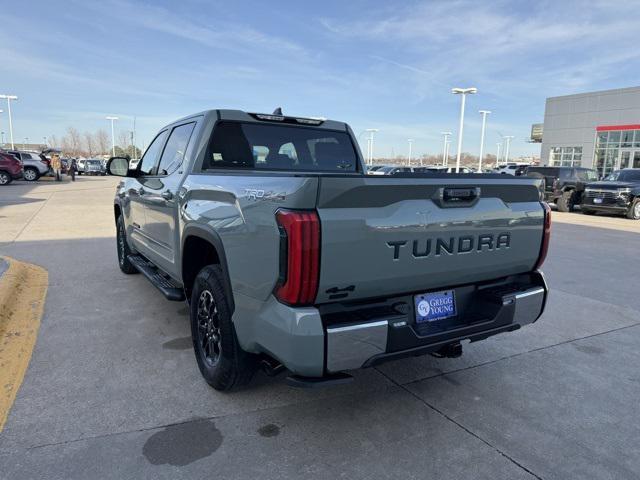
x,y
113,390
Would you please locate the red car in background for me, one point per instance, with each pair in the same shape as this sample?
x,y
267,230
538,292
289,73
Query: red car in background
x,y
10,168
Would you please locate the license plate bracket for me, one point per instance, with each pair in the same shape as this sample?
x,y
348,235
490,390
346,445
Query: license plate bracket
x,y
434,306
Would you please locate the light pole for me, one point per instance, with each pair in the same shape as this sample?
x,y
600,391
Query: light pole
x,y
410,140
371,132
113,136
45,142
446,136
464,92
498,154
506,148
25,141
9,98
446,152
484,114
2,142
2,135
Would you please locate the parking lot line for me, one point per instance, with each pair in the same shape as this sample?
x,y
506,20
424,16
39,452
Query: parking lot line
x,y
23,289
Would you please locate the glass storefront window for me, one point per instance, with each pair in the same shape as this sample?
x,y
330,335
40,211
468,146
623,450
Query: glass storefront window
x,y
566,156
627,139
614,138
602,138
637,139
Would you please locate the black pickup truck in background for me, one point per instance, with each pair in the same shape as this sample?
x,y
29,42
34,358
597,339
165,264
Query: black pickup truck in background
x,y
563,186
619,192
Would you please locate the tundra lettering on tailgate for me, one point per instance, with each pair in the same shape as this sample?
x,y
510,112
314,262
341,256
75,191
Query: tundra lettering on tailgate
x,y
422,248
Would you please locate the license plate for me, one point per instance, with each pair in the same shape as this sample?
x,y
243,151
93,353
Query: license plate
x,y
597,200
435,306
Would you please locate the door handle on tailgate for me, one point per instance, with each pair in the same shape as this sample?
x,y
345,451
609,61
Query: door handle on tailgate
x,y
448,197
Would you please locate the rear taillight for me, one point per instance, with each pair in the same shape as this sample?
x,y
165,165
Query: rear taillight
x,y
299,256
546,235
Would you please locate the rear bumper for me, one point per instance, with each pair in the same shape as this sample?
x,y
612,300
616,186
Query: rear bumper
x,y
314,342
367,344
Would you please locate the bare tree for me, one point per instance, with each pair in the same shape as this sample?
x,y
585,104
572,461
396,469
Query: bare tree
x,y
89,144
53,141
102,142
74,141
123,139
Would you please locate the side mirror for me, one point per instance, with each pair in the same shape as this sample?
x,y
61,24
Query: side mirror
x,y
118,166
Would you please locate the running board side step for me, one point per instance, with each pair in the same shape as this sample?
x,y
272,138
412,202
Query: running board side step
x,y
315,382
158,278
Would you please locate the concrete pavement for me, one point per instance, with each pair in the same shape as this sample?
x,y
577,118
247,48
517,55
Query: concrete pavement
x,y
113,390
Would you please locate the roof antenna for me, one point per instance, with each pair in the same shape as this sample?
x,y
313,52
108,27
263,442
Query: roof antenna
x,y
277,111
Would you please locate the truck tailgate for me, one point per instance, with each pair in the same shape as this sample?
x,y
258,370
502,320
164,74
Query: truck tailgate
x,y
390,235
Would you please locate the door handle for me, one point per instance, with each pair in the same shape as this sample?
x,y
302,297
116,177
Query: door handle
x,y
167,195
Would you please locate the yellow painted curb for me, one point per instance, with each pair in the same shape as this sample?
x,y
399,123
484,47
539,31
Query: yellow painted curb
x,y
23,289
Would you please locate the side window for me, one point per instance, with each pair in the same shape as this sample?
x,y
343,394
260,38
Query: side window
x,y
150,157
174,152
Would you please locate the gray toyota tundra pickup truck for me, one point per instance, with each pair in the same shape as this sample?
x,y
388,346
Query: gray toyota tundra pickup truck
x,y
292,258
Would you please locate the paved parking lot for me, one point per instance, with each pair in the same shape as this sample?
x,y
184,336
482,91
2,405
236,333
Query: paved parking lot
x,y
113,390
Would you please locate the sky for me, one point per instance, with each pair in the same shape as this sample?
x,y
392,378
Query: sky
x,y
374,64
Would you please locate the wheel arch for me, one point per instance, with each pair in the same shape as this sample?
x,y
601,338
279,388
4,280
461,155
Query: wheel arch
x,y
202,246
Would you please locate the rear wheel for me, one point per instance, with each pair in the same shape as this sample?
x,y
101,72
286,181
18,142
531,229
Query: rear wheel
x,y
31,174
222,363
634,210
566,201
123,249
5,178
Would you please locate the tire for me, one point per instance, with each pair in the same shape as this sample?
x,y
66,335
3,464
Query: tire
x,y
634,210
222,363
30,174
123,248
566,201
5,178
586,211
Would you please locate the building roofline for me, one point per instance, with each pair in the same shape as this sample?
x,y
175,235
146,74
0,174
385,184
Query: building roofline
x,y
612,91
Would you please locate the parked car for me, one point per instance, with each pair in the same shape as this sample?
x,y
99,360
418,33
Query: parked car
x,y
619,192
301,262
441,169
563,186
514,169
80,166
33,165
94,166
10,168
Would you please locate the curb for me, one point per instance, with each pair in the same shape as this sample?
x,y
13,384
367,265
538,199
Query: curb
x,y
23,289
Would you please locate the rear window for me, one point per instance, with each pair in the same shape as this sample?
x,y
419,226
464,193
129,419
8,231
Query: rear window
x,y
546,171
259,146
629,176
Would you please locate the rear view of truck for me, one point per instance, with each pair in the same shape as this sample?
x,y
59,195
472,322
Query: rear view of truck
x,y
414,265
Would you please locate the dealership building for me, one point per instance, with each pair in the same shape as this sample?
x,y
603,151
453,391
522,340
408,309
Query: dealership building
x,y
599,130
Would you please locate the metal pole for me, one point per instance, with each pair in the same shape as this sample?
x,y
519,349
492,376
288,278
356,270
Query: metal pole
x,y
460,131
410,145
484,114
371,158
10,122
446,153
506,148
444,145
113,140
498,154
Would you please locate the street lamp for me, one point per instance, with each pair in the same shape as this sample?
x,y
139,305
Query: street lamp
x,y
113,136
464,92
484,114
445,158
410,140
371,132
9,98
26,141
506,148
498,154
